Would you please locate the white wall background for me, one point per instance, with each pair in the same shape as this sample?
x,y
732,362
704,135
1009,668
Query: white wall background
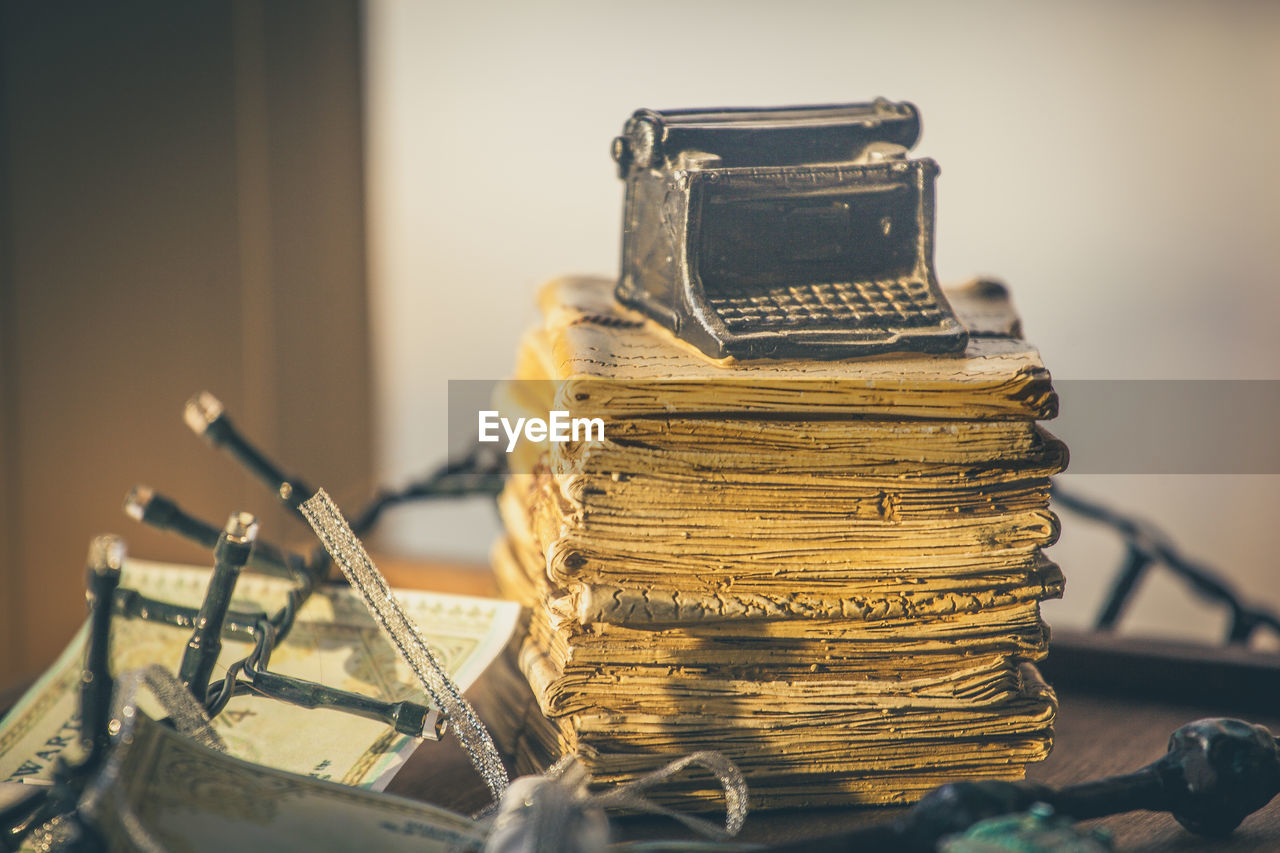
x,y
1115,163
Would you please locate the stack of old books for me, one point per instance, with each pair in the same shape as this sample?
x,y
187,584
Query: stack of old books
x,y
828,571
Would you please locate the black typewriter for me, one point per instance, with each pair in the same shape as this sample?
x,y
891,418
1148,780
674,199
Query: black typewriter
x,y
786,232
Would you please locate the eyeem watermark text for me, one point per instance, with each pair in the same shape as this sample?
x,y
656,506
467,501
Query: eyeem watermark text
x,y
558,427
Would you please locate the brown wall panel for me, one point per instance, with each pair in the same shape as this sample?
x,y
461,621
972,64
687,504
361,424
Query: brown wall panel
x,y
155,246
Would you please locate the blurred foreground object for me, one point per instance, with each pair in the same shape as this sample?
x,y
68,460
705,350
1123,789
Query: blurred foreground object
x,y
1215,774
166,789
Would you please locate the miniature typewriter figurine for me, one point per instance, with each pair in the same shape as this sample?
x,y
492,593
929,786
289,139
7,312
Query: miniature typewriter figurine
x,y
782,233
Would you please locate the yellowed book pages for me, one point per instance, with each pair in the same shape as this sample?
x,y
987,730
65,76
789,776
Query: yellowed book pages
x,y
869,760
829,571
834,450
612,363
631,595
797,649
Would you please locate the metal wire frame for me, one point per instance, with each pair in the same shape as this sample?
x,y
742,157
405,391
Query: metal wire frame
x,y
480,472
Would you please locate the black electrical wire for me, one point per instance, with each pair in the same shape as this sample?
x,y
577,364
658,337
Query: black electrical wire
x,y
1147,549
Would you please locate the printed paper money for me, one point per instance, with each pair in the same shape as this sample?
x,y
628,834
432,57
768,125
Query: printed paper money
x,y
334,642
167,792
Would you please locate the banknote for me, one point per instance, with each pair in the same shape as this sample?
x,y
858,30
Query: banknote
x,y
334,642
165,792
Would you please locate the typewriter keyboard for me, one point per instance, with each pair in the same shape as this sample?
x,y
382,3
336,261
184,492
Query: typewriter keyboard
x,y
898,303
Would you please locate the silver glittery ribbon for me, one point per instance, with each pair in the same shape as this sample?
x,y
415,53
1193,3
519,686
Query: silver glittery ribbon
x,y
345,549
631,795
557,810
188,716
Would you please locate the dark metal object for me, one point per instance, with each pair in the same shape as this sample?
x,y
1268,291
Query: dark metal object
x,y
481,472
956,807
214,620
406,717
24,808
19,805
1147,548
207,418
1216,773
230,555
204,413
131,604
102,576
150,507
786,232
250,674
57,802
1135,566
